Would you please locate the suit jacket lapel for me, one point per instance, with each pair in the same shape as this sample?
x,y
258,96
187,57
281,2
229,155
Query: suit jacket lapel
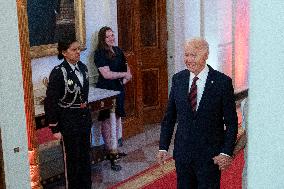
x,y
184,91
207,90
185,82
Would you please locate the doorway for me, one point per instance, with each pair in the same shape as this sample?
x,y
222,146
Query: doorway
x,y
142,31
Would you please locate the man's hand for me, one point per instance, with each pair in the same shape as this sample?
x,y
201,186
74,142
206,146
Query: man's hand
x,y
223,161
161,157
57,135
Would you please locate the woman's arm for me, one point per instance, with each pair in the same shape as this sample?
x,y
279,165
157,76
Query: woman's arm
x,y
108,74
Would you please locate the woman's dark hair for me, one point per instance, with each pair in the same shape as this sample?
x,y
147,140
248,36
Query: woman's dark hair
x,y
63,44
102,41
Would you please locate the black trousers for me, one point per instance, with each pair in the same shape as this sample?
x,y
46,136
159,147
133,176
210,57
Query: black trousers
x,y
197,175
77,160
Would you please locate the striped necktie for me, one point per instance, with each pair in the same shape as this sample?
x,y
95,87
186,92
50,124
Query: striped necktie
x,y
193,94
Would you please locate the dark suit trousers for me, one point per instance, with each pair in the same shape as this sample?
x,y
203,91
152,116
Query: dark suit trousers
x,y
197,175
77,160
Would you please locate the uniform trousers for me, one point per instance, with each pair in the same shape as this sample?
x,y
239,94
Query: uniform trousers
x,y
77,160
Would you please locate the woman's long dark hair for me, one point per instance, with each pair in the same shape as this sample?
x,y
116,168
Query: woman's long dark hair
x,y
63,44
102,41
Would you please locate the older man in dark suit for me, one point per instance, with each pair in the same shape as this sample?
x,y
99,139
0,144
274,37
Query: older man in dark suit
x,y
201,102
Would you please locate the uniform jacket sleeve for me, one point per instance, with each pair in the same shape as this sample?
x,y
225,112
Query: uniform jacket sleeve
x,y
53,93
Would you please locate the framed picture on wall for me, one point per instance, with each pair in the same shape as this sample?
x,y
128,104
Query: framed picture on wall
x,y
48,20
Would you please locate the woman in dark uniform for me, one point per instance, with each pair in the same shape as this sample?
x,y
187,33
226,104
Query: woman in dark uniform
x,y
68,115
113,74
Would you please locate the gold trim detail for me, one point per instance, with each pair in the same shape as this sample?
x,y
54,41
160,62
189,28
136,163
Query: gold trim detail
x,y
149,176
28,93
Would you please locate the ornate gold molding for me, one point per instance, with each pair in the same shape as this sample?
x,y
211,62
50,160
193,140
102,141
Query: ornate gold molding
x,y
28,93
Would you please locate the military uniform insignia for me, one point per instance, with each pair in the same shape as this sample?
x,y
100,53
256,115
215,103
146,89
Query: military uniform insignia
x,y
70,82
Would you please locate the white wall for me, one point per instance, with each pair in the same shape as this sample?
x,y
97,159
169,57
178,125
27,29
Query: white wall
x,y
266,106
171,42
211,32
189,24
12,122
176,36
224,24
192,18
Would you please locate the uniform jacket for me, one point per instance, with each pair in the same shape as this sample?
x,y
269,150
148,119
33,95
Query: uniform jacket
x,y
200,135
64,96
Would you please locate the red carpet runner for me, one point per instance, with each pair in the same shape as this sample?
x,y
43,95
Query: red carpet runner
x,y
164,177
